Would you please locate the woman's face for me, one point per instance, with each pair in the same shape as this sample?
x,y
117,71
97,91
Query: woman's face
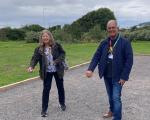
x,y
45,38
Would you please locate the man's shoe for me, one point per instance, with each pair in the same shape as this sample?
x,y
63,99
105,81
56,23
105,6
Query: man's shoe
x,y
63,107
43,114
107,115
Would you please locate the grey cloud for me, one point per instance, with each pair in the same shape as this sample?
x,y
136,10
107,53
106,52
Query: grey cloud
x,y
18,12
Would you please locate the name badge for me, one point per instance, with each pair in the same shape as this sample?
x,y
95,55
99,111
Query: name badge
x,y
110,56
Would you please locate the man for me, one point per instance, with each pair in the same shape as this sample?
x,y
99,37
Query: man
x,y
114,57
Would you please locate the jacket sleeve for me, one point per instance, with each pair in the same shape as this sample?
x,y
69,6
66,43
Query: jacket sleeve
x,y
61,54
35,58
95,58
128,61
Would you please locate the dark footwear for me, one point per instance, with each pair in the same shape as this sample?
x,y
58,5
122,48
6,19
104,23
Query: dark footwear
x,y
63,107
107,115
43,114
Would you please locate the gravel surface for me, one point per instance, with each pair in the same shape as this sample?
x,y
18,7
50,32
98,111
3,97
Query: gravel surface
x,y
86,99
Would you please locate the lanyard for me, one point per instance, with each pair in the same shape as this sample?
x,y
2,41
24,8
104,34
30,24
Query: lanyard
x,y
110,43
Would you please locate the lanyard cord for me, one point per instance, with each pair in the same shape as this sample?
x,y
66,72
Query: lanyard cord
x,y
115,42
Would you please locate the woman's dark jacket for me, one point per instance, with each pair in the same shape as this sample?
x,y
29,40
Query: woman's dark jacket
x,y
122,61
58,56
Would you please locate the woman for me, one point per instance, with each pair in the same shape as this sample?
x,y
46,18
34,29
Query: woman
x,y
50,56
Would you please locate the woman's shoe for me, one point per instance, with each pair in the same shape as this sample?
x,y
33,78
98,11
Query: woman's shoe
x,y
43,114
63,107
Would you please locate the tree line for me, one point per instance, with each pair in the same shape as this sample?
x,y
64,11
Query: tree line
x,y
137,33
89,28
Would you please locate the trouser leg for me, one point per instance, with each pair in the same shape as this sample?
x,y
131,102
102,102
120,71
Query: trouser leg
x,y
109,89
46,90
117,104
60,88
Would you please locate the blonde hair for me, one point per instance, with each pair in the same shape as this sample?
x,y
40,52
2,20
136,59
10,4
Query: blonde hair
x,y
41,44
51,40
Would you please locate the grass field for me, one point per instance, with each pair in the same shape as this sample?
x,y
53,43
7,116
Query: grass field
x,y
141,47
15,58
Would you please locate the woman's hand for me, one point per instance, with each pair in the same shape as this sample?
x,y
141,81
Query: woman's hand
x,y
30,69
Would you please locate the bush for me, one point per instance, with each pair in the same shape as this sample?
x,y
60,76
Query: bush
x,y
32,37
137,35
4,33
94,35
62,36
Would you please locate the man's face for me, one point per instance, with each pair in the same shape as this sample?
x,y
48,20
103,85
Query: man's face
x,y
112,29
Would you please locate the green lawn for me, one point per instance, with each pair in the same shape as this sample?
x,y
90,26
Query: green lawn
x,y
15,58
142,47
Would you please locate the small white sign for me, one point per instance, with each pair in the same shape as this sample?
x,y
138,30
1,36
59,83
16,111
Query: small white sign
x,y
110,56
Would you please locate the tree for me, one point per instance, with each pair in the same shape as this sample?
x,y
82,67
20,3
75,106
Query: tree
x,y
56,27
33,27
88,21
94,34
4,33
16,34
62,36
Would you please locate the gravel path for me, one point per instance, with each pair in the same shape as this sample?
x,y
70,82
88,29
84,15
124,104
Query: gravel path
x,y
86,99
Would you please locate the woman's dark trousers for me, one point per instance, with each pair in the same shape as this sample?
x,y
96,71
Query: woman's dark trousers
x,y
47,87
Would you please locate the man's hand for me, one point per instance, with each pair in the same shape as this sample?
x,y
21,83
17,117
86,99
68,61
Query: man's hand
x,y
122,82
88,73
30,69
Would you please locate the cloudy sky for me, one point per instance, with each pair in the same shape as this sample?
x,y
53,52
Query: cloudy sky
x,y
17,13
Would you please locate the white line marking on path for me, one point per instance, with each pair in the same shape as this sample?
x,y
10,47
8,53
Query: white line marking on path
x,y
3,88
